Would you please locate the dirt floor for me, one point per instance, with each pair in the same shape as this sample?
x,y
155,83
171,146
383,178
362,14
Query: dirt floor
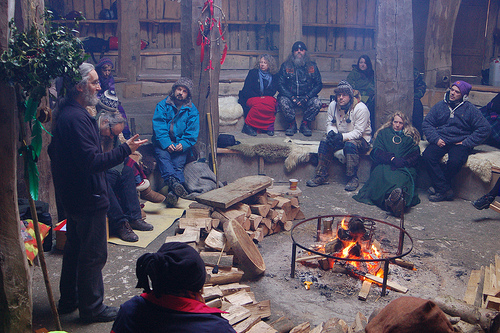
x,y
449,240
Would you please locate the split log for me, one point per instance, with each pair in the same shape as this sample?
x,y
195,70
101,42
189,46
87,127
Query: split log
x,y
300,215
265,229
199,223
392,285
197,205
317,329
217,215
488,319
215,240
211,292
360,323
190,235
243,207
282,325
276,227
232,288
233,214
293,213
284,203
246,324
294,201
261,327
211,259
198,212
287,225
302,328
255,221
261,210
224,276
236,314
258,198
282,215
272,214
258,235
335,325
365,290
474,291
403,263
215,303
262,309
246,224
272,202
492,302
242,297
490,283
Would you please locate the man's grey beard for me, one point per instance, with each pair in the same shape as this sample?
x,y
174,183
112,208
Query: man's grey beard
x,y
89,98
299,61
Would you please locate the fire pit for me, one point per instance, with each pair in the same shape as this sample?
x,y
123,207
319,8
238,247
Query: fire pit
x,y
360,243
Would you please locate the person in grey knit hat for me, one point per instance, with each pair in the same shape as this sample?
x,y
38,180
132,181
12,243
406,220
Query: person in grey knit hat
x,y
176,125
348,130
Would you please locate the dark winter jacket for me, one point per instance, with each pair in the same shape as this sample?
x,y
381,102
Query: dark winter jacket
x,y
362,81
148,314
467,125
251,87
304,81
78,163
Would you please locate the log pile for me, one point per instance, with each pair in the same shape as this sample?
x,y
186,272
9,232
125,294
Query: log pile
x,y
483,288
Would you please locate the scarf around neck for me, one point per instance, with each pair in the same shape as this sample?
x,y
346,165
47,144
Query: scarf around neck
x,y
264,76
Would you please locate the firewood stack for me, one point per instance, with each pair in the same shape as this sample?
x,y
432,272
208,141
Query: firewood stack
x,y
483,289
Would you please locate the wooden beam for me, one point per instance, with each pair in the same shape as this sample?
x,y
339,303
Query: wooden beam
x,y
129,42
290,26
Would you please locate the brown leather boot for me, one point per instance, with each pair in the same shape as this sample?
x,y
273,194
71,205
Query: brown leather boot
x,y
321,173
150,195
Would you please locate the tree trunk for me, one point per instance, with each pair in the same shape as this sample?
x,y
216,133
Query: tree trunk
x,y
15,282
439,41
394,60
206,77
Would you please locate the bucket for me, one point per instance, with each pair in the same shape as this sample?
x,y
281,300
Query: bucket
x,y
495,73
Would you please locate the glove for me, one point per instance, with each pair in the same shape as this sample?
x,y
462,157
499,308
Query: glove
x,y
399,162
334,139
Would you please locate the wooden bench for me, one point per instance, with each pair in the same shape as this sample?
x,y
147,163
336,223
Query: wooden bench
x,y
495,205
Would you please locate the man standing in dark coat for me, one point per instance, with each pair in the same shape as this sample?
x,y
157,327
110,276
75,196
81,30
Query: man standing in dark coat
x,y
453,126
78,166
299,85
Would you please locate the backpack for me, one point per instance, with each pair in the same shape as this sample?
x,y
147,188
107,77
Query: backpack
x,y
95,45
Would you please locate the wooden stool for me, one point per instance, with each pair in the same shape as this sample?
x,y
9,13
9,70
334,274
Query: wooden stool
x,y
495,205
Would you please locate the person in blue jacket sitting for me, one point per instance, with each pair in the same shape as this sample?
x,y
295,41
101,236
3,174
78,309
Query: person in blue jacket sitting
x,y
176,125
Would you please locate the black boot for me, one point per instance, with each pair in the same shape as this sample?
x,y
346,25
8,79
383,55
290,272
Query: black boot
x,y
292,129
176,187
305,129
247,129
170,199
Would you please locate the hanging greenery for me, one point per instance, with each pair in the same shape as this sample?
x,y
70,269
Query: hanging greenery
x,y
35,58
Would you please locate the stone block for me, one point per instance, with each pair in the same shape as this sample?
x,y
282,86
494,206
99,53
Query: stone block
x,y
481,98
132,90
155,88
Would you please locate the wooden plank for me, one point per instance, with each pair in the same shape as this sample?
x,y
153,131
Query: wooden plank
x,y
392,285
234,192
361,20
232,288
89,10
246,324
211,292
486,286
301,328
341,19
365,290
492,303
199,223
240,298
224,276
215,303
262,309
236,314
497,266
215,240
473,293
189,235
198,212
262,327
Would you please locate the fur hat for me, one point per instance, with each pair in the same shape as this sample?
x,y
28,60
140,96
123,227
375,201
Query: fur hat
x,y
463,86
108,101
344,87
298,45
184,82
176,266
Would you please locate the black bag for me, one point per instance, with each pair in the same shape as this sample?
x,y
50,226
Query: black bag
x,y
226,140
95,45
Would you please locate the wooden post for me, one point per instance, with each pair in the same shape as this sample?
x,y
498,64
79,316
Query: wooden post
x,y
187,45
489,48
439,41
290,27
394,60
206,77
129,42
15,288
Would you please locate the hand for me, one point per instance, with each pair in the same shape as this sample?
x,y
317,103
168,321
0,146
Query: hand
x,y
441,143
296,100
178,147
334,139
171,148
398,162
134,144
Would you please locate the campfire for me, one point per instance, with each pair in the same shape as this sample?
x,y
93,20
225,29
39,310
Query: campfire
x,y
353,245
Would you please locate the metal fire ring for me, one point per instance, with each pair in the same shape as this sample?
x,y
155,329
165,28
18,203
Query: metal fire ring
x,y
400,254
